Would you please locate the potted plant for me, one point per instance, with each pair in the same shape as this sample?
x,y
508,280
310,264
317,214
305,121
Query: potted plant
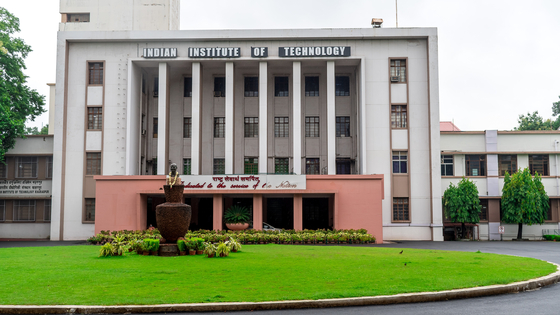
x,y
233,245
237,218
191,245
182,247
154,247
199,245
222,250
209,249
145,247
120,245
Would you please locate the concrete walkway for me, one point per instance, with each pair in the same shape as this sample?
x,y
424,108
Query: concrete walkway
x,y
541,250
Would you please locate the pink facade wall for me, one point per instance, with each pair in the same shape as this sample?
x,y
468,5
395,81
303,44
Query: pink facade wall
x,y
121,201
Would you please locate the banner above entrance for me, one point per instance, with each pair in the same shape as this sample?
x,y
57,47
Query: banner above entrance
x,y
244,182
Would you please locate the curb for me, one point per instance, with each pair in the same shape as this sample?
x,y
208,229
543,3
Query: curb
x,y
516,287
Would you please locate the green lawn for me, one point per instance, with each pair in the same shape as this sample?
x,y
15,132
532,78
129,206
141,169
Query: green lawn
x,y
75,275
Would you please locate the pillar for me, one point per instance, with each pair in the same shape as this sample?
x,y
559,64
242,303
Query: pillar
x,y
218,212
257,212
163,117
196,110
296,124
263,119
331,119
229,154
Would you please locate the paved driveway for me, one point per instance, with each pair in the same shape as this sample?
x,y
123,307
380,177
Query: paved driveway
x,y
543,301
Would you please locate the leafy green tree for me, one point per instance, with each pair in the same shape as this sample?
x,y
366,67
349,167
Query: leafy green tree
x,y
36,131
535,122
18,102
524,200
461,203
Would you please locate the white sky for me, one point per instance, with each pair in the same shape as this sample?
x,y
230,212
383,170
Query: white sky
x,y
497,58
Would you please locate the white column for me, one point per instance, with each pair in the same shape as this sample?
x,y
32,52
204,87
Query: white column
x,y
361,118
229,118
296,124
331,119
163,136
196,118
263,117
133,119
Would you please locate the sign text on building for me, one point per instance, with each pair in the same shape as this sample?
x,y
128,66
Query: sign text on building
x,y
20,188
214,52
244,182
160,53
323,51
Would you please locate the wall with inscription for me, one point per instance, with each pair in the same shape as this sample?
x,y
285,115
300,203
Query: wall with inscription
x,y
245,182
25,188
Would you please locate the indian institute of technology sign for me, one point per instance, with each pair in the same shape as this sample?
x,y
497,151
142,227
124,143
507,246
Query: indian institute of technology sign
x,y
256,52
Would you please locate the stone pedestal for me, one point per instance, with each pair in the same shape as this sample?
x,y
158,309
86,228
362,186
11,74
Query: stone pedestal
x,y
168,250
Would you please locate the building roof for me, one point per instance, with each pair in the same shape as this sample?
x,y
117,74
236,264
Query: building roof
x,y
448,126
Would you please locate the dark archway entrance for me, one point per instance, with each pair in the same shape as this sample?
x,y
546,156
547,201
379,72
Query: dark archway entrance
x,y
279,213
315,214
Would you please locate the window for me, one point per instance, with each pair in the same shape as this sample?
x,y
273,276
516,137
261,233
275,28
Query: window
x,y
251,165
538,164
398,116
312,126
219,127
219,87
187,127
398,71
547,217
251,86
475,165
95,72
483,216
26,167
311,86
155,127
343,166
47,211
95,117
400,209
2,210
154,166
281,86
447,165
93,164
342,86
156,87
507,163
312,166
187,90
77,17
219,166
251,127
90,210
281,127
400,162
24,210
49,166
186,166
343,126
3,170
281,165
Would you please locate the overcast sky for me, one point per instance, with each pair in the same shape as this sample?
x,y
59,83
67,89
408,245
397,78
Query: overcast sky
x,y
497,59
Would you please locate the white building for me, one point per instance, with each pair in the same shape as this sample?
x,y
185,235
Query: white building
x,y
134,94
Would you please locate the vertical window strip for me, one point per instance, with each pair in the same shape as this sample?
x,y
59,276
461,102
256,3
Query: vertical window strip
x,y
281,127
93,163
400,162
187,127
2,210
312,166
95,117
281,87
400,209
219,166
24,210
251,127
343,126
251,166
311,86
187,87
342,86
26,167
186,166
251,86
47,210
398,116
90,210
281,165
155,127
312,127
398,69
219,127
95,72
49,167
447,165
3,170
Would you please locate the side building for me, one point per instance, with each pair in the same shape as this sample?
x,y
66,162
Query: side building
x,y
485,157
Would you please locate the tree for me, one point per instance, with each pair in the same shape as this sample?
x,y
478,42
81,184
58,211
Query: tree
x,y
461,203
18,102
36,131
535,122
524,200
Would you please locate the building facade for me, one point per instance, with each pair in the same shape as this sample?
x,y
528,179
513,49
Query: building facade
x,y
283,105
485,157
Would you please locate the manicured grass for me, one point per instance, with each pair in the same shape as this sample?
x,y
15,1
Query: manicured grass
x,y
75,275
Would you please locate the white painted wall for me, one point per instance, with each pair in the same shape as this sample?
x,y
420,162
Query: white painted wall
x,y
29,230
38,145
